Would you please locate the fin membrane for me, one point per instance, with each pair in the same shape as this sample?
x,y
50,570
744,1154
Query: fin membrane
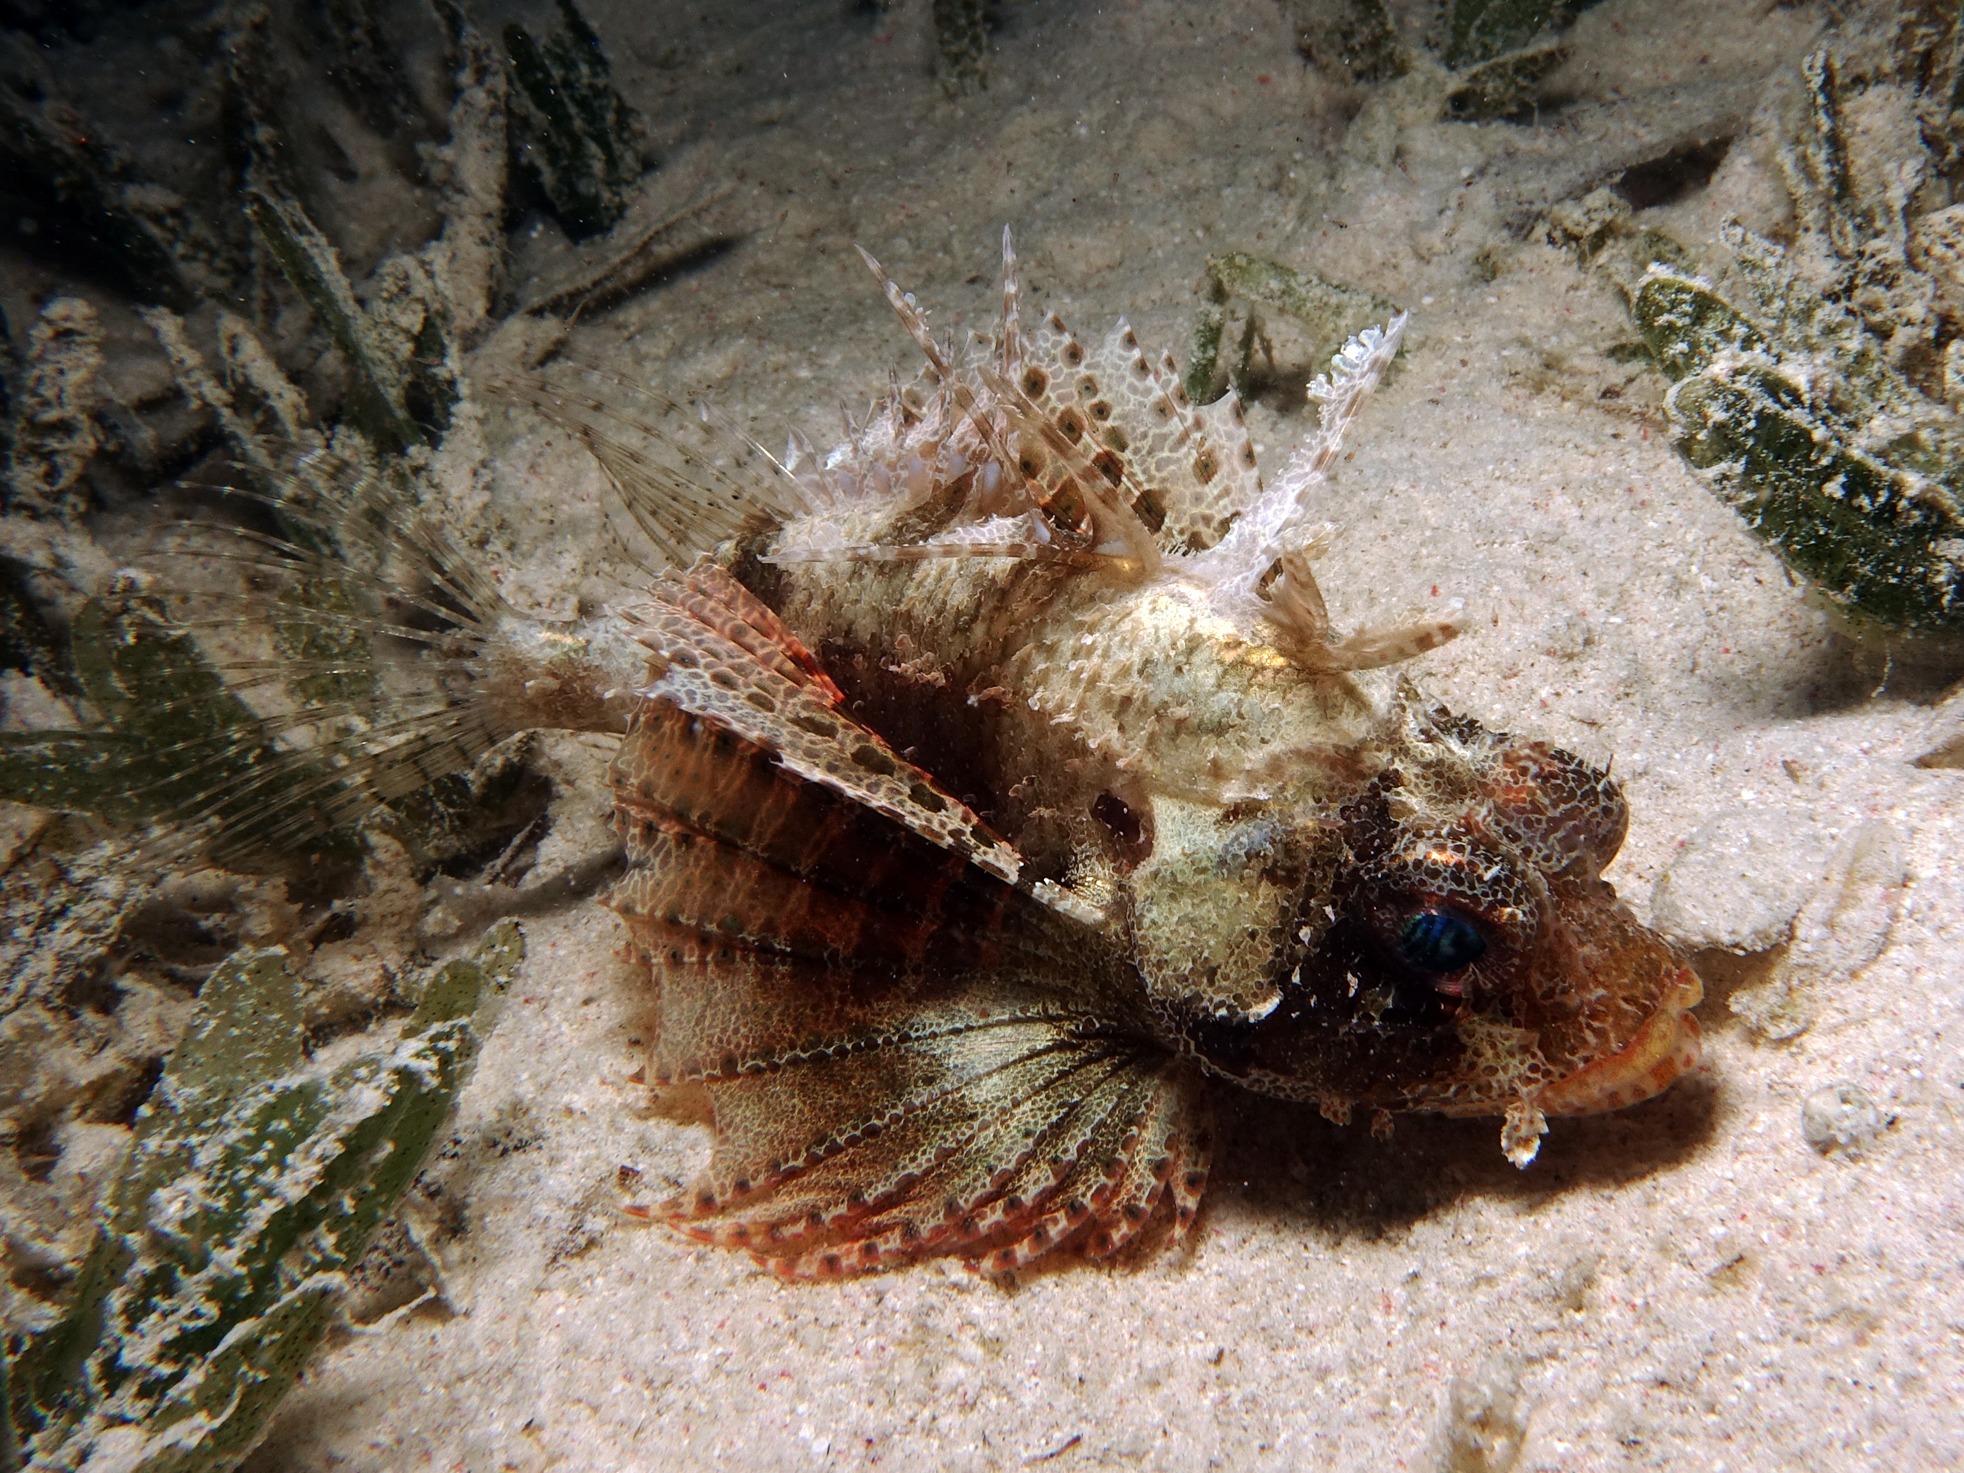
x,y
314,656
688,480
1195,467
866,1118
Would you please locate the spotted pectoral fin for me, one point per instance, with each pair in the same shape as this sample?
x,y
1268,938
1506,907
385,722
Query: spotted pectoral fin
x,y
727,660
865,1119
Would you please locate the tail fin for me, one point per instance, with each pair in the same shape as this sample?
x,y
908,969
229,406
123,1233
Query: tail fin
x,y
322,652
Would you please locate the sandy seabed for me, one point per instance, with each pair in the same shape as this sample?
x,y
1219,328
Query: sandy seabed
x,y
1684,1285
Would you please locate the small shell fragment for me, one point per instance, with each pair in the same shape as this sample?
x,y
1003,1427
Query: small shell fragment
x,y
1842,1118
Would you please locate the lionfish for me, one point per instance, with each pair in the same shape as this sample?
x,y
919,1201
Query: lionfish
x,y
995,792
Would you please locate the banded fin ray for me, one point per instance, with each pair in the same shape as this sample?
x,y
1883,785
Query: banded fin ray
x,y
907,1048
314,652
728,841
1104,438
723,657
1026,444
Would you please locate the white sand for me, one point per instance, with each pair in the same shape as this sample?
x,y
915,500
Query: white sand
x,y
1685,1285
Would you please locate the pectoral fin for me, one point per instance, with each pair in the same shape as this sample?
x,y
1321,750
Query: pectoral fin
x,y
910,1046
863,1121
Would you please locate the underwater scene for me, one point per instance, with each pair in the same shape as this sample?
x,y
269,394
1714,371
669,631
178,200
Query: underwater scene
x,y
981,734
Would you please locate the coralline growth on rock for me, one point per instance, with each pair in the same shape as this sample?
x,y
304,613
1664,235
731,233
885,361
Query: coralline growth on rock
x,y
253,1184
1820,396
53,434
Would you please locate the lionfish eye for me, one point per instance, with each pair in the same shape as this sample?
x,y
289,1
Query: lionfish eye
x,y
1440,940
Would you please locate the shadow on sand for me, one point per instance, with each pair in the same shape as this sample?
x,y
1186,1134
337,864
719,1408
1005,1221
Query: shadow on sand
x,y
1285,1161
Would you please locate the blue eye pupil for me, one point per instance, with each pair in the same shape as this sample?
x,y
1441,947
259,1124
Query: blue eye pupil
x,y
1440,940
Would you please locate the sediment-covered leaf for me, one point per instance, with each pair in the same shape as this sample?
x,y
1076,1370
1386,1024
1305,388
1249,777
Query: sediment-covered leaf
x,y
253,1182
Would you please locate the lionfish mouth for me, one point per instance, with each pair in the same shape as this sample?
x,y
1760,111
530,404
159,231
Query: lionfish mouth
x,y
1665,1047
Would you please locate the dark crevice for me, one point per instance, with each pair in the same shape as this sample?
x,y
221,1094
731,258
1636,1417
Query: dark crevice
x,y
119,1106
1664,181
37,1148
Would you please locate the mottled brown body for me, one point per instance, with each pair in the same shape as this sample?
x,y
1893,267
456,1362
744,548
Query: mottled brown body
x,y
978,833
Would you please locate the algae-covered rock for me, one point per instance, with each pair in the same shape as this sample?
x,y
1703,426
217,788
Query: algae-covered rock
x,y
571,130
1482,58
1814,401
397,346
1357,38
254,1181
961,43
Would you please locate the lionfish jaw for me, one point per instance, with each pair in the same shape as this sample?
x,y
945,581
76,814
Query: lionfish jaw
x,y
1664,1048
